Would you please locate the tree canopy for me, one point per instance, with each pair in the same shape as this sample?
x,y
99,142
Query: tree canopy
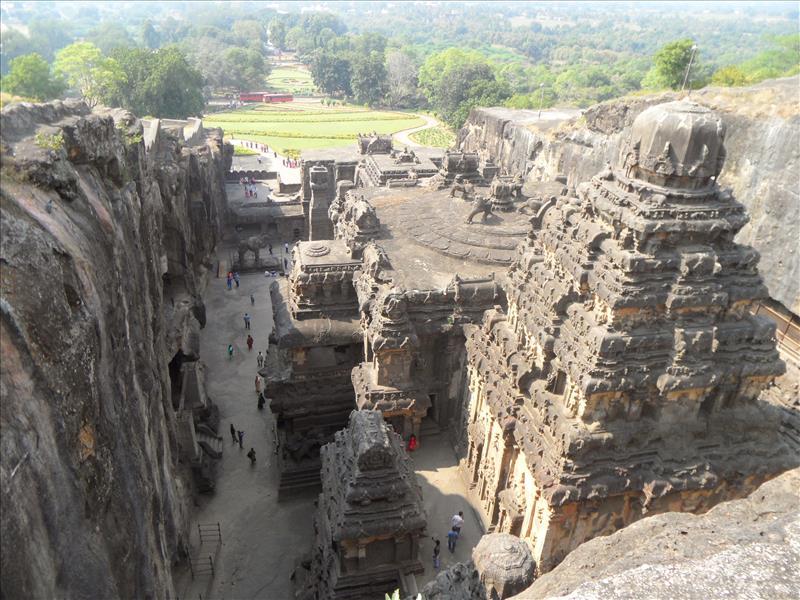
x,y
455,80
30,77
669,65
87,71
160,83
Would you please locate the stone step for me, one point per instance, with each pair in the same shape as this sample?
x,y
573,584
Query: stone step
x,y
214,443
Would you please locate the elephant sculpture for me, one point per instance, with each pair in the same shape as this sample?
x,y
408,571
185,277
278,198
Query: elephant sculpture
x,y
482,205
252,244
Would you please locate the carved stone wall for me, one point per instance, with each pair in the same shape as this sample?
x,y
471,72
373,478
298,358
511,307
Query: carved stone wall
x,y
627,368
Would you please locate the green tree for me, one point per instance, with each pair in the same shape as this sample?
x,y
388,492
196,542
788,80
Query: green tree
x,y
782,60
150,36
244,68
729,76
108,36
331,72
160,83
249,34
368,81
455,80
277,33
89,72
669,65
401,80
30,77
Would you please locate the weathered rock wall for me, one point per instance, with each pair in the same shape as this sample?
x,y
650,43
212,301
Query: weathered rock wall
x,y
745,548
762,165
93,497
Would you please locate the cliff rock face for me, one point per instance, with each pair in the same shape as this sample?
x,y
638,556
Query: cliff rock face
x,y
106,231
762,165
748,548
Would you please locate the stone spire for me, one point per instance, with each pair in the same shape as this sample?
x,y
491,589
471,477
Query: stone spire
x,y
628,351
370,513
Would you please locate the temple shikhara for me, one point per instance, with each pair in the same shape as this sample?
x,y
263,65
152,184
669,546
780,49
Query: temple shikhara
x,y
622,380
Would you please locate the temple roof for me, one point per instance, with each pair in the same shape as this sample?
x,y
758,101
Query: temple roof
x,y
369,486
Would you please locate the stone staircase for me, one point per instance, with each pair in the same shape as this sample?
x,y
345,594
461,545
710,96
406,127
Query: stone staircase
x,y
211,444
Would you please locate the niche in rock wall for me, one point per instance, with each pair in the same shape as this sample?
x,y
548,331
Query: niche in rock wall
x,y
176,378
175,251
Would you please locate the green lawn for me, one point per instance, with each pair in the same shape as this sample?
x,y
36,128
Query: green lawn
x,y
291,79
436,137
306,125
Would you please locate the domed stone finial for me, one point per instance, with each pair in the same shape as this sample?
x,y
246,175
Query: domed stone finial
x,y
676,145
504,563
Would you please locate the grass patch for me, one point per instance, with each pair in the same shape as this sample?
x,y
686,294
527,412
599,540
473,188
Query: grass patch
x,y
307,125
53,141
435,137
294,80
242,151
6,98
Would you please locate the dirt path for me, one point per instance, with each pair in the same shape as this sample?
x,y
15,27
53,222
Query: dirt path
x,y
403,137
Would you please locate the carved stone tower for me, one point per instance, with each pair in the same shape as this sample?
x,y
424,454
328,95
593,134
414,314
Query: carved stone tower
x,y
623,378
370,515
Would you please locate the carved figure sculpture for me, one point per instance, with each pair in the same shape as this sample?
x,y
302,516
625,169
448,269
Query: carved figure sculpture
x,y
482,205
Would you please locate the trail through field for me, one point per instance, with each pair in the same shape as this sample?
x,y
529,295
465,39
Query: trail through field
x,y
403,137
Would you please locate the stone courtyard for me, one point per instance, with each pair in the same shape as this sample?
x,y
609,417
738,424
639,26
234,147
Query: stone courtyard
x,y
263,539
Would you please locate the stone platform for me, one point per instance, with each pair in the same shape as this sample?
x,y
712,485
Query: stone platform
x,y
442,242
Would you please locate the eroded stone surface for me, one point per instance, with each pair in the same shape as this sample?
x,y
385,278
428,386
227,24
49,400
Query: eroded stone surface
x,y
106,233
748,548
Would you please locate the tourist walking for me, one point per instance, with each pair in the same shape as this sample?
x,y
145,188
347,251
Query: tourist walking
x,y
252,456
230,351
236,278
286,247
436,558
252,300
412,443
258,384
229,281
233,433
452,537
260,359
246,321
240,435
285,265
249,343
457,522
269,247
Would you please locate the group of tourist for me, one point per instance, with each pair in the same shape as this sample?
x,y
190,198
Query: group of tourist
x,y
237,435
231,278
291,163
456,523
250,190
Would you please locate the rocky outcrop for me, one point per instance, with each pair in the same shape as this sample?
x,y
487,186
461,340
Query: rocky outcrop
x,y
501,566
741,549
762,165
104,246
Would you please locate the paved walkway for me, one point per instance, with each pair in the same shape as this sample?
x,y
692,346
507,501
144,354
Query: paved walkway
x,y
269,160
261,539
444,494
403,137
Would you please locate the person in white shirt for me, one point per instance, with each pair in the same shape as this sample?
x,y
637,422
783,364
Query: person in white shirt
x,y
457,521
